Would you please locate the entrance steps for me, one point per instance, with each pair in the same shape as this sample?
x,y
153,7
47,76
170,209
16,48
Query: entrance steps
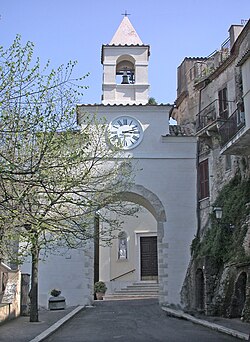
x,y
138,290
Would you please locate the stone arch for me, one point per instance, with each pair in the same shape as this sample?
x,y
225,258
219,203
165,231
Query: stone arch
x,y
146,198
199,290
140,195
124,61
239,297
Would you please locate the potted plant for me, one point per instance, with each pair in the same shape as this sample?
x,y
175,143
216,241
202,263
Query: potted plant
x,y
100,288
55,292
56,302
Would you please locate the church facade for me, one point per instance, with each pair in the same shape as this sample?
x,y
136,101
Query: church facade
x,y
154,245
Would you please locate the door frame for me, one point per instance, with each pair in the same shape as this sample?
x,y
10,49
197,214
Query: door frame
x,y
138,236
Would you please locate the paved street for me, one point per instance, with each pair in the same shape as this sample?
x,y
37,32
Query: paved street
x,y
132,321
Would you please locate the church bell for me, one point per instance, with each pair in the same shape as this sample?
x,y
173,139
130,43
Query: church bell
x,y
125,79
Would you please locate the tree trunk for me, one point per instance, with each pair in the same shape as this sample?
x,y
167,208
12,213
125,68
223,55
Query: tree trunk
x,y
34,282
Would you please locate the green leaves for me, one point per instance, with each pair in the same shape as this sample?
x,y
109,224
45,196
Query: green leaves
x,y
224,240
53,175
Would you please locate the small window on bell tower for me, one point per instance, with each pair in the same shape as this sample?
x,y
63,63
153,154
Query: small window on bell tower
x,y
125,72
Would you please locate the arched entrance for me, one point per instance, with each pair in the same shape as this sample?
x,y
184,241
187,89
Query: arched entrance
x,y
200,290
239,296
146,198
139,255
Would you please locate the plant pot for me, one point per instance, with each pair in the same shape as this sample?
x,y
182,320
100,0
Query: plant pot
x,y
57,303
99,295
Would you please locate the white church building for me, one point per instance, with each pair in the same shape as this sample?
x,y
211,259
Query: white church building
x,y
153,246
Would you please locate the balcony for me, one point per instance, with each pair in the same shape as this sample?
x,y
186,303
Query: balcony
x,y
232,130
235,137
207,119
231,126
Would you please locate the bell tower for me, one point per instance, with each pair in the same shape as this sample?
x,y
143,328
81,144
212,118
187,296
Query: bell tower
x,y
125,67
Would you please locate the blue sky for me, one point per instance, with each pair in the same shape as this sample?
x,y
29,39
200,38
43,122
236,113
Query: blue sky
x,y
64,30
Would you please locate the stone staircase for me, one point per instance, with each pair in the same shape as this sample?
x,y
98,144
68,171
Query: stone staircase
x,y
140,290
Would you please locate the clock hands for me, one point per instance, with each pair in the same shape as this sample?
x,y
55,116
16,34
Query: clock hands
x,y
132,130
125,132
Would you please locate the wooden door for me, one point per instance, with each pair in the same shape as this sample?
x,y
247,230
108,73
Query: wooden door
x,y
149,260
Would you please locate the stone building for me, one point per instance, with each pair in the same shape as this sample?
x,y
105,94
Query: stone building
x,y
213,99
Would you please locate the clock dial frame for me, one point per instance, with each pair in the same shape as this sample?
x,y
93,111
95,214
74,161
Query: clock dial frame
x,y
125,132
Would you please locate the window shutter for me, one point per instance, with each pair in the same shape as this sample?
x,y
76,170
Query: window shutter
x,y
203,177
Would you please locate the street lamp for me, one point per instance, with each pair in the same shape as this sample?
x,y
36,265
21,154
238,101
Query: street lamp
x,y
218,212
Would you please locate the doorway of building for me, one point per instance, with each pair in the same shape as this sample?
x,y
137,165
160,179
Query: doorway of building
x,y
148,258
200,290
140,262
239,297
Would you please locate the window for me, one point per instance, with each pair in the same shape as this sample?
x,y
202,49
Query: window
x,y
223,104
125,70
203,179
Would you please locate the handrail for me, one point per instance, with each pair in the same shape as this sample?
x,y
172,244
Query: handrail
x,y
121,275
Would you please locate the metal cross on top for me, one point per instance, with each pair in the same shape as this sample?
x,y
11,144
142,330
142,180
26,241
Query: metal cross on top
x,y
126,13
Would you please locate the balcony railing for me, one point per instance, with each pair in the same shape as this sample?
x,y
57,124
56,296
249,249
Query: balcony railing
x,y
202,69
216,112
207,115
231,126
225,47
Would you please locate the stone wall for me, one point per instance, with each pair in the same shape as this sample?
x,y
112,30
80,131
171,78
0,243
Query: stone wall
x,y
193,287
226,290
232,299
10,294
225,286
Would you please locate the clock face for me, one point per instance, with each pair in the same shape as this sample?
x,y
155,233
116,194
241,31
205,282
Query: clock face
x,y
125,132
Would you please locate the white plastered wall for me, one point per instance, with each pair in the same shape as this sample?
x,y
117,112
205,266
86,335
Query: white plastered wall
x,y
167,169
142,224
